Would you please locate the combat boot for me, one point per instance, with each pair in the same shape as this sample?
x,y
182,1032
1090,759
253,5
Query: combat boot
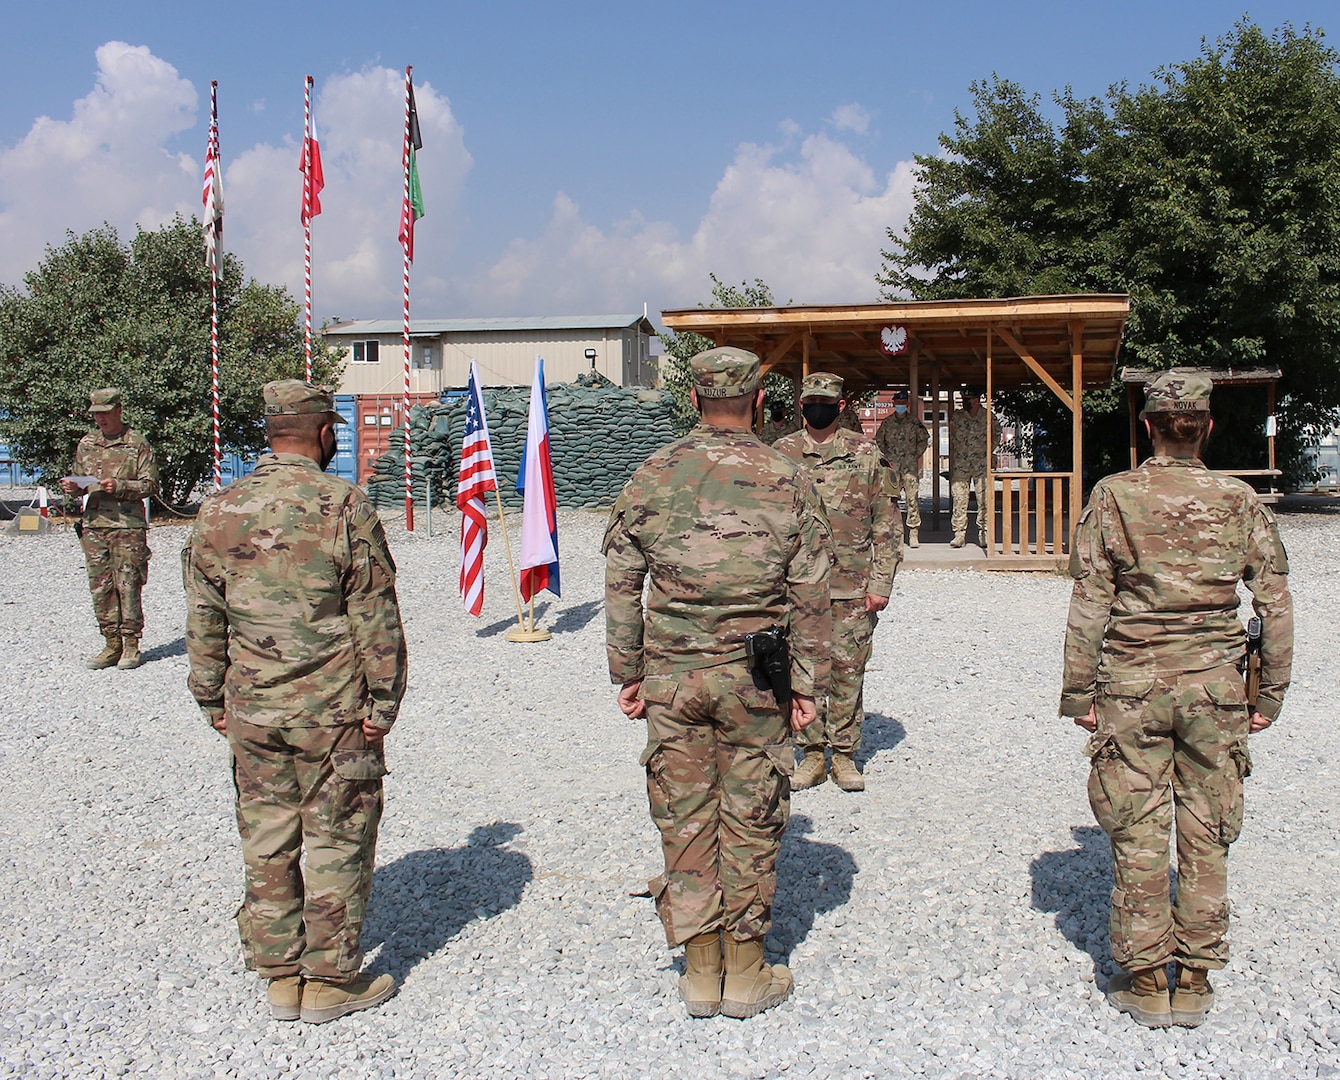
x,y
811,772
1192,997
1143,995
959,540
131,656
322,1001
751,985
111,653
700,985
845,773
914,538
284,995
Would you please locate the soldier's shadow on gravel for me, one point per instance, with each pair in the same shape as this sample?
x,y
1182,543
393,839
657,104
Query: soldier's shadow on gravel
x,y
1076,885
878,732
425,898
162,652
812,878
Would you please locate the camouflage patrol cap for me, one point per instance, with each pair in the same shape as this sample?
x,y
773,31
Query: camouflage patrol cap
x,y
726,372
821,384
104,400
971,390
901,395
292,397
1177,391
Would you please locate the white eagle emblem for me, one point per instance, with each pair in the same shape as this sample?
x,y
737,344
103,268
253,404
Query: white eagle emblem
x,y
893,339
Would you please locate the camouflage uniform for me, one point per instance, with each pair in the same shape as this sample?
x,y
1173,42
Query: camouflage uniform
x,y
903,440
294,638
1153,643
116,549
967,467
733,539
867,535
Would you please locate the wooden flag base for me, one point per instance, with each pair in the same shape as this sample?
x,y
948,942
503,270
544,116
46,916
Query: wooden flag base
x,y
519,634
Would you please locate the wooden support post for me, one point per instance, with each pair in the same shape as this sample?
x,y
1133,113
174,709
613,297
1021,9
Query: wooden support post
x,y
1077,424
986,500
1135,426
935,446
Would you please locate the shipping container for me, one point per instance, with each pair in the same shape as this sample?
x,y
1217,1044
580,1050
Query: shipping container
x,y
345,464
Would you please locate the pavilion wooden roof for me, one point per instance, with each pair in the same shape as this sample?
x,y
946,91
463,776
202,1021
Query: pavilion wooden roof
x,y
845,338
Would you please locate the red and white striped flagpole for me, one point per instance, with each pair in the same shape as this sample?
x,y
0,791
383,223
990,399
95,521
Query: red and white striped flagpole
x,y
406,225
216,265
307,223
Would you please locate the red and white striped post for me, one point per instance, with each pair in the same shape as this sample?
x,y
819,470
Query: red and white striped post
x,y
406,224
307,222
215,269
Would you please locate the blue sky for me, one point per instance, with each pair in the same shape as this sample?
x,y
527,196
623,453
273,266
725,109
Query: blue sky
x,y
578,158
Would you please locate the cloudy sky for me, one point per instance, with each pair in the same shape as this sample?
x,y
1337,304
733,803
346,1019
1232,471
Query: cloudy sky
x,y
584,158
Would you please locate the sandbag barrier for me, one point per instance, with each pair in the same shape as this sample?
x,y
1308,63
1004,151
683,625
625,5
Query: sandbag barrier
x,y
598,434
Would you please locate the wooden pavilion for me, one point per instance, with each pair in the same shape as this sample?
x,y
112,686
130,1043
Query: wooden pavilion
x,y
1065,343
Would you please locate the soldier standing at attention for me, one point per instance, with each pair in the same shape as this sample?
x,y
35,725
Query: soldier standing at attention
x,y
298,657
862,509
113,530
902,439
967,465
1151,668
734,541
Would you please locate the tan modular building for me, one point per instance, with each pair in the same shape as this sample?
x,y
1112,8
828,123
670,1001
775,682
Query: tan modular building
x,y
616,346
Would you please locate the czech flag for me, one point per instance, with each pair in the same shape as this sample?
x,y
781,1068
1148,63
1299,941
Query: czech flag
x,y
539,517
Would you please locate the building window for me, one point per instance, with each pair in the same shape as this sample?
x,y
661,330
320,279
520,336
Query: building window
x,y
365,352
422,358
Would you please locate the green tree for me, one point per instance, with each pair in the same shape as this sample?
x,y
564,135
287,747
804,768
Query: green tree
x,y
1210,195
677,377
98,312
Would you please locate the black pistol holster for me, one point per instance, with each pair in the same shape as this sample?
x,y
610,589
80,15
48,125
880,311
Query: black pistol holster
x,y
770,663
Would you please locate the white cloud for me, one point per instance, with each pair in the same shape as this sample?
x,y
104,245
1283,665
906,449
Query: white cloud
x,y
106,163
851,118
810,224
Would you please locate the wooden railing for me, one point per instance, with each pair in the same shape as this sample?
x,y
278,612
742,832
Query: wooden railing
x,y
1032,514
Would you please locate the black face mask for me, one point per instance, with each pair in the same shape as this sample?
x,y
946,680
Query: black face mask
x,y
820,414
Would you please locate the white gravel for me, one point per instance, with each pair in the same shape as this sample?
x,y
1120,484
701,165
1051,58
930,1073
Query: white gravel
x,y
949,922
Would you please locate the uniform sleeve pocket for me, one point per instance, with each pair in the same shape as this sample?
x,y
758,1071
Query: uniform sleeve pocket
x,y
783,758
1227,692
659,689
358,764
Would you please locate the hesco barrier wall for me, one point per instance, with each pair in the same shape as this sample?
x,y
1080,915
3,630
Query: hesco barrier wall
x,y
598,434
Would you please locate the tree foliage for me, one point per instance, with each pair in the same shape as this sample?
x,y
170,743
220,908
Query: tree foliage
x,y
1211,195
99,312
677,376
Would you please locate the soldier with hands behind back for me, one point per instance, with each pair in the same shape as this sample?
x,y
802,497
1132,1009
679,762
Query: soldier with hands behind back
x,y
967,465
113,530
902,439
298,657
867,530
731,540
1152,654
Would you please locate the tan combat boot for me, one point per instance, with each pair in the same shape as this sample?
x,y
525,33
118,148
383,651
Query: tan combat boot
x,y
1143,995
700,985
1192,997
751,985
131,656
322,1001
914,538
959,540
845,773
284,995
111,653
811,772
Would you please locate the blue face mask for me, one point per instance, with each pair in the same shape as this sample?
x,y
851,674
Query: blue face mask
x,y
901,410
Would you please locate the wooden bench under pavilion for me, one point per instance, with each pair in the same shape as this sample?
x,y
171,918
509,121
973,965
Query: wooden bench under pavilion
x,y
1067,344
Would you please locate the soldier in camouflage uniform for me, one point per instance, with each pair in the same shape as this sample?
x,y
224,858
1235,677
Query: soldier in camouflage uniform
x,y
734,541
862,509
902,439
1151,668
297,655
113,529
967,465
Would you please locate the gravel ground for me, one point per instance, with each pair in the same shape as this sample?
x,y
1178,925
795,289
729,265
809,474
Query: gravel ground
x,y
949,922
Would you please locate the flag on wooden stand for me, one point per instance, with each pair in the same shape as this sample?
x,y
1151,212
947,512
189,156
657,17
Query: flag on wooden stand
x,y
539,517
477,478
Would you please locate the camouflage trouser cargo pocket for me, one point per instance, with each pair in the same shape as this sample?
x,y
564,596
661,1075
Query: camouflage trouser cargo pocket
x,y
1110,793
1231,800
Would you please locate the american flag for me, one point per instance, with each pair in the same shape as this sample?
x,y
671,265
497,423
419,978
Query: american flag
x,y
477,477
211,196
